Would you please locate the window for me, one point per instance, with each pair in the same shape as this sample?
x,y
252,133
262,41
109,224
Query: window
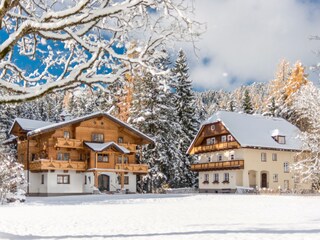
x,y
33,156
216,177
126,180
223,138
274,157
97,137
263,157
85,179
286,184
275,177
59,156
219,157
63,156
103,158
209,159
211,141
42,178
230,138
120,139
66,134
226,177
206,178
281,139
125,159
286,167
63,179
296,179
232,156
213,127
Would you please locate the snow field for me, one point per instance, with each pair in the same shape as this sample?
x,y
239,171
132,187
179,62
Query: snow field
x,y
163,217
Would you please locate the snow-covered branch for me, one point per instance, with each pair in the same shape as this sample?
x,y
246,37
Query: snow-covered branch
x,y
52,45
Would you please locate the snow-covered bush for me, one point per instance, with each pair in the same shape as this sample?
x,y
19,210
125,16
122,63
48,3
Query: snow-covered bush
x,y
11,179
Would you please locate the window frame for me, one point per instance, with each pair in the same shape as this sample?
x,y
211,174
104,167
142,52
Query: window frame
x,y
219,157
226,177
120,139
230,138
286,167
263,157
103,157
275,177
42,178
274,157
223,138
65,179
97,137
216,177
213,127
66,134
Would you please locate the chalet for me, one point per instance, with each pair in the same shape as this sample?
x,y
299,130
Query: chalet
x,y
248,151
79,155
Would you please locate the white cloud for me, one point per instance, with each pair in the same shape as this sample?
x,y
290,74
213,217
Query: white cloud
x,y
247,38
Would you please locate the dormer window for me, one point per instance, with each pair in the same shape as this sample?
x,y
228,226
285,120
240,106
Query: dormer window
x,y
280,139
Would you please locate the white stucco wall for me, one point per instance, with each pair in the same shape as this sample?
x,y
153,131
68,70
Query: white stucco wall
x,y
115,185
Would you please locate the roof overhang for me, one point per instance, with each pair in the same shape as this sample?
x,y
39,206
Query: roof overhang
x,y
100,147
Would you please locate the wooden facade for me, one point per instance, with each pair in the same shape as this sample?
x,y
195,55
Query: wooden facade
x,y
62,146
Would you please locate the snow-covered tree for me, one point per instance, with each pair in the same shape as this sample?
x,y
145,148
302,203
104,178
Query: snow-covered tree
x,y
153,114
11,176
65,44
306,103
184,102
246,103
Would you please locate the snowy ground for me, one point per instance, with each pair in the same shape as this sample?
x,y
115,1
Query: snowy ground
x,y
163,217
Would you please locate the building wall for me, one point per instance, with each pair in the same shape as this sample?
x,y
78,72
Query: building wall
x,y
250,176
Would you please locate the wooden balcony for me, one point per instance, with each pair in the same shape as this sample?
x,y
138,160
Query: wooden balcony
x,y
69,143
215,166
46,164
215,147
130,147
134,168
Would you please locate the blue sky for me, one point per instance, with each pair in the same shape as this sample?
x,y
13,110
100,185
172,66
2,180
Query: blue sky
x,y
246,39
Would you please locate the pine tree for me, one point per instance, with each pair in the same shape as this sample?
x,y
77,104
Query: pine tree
x,y
152,113
184,102
246,103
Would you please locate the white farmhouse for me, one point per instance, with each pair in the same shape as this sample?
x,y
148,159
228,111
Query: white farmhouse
x,y
242,150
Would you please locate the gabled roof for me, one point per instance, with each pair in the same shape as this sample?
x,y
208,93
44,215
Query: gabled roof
x,y
256,130
28,124
99,147
38,127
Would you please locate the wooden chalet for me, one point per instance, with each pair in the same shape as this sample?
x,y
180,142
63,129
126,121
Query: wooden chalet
x,y
81,155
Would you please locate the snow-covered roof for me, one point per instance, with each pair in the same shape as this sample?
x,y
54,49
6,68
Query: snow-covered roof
x,y
29,125
47,128
99,147
256,130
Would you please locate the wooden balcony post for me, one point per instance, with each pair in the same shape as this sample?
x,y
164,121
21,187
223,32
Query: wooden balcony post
x,y
122,173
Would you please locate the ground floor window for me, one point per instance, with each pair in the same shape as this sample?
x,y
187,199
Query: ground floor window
x,y
63,179
206,178
126,180
216,177
275,177
286,167
226,177
42,178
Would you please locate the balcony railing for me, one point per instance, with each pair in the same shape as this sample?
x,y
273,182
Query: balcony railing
x,y
46,164
215,147
212,166
69,143
134,168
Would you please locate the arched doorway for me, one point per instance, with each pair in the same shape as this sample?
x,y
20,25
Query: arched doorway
x,y
104,182
264,180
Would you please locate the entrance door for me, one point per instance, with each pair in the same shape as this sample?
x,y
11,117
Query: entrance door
x,y
103,182
264,183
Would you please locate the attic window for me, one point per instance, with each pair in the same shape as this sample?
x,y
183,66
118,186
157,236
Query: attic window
x,y
280,139
213,127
